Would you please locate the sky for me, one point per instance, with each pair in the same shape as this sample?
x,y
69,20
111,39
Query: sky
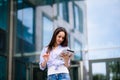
x,y
103,17
103,24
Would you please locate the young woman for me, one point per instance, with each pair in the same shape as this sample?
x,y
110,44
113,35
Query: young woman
x,y
54,58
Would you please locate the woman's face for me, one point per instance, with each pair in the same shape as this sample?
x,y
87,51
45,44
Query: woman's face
x,y
60,38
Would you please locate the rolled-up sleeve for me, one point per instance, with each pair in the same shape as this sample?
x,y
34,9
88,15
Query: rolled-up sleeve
x,y
42,59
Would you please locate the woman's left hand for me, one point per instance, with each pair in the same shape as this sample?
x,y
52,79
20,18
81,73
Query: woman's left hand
x,y
66,58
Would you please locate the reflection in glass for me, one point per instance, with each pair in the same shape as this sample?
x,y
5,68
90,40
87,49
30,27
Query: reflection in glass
x,y
3,25
99,71
114,70
20,71
24,30
63,10
78,18
3,68
3,14
27,21
47,30
77,48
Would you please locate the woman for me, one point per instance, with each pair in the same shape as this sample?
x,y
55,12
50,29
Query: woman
x,y
54,58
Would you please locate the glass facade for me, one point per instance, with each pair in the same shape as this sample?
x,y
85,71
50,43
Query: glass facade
x,y
78,49
63,10
25,27
4,16
3,68
3,25
93,24
78,17
30,24
47,30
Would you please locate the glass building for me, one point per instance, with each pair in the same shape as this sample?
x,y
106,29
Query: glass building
x,y
26,26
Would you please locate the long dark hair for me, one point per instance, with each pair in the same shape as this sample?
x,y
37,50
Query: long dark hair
x,y
53,40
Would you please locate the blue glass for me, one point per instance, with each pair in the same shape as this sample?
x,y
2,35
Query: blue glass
x,y
78,18
25,28
47,30
78,50
20,71
63,10
27,24
3,14
3,68
3,25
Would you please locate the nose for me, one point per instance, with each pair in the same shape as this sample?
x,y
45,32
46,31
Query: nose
x,y
61,39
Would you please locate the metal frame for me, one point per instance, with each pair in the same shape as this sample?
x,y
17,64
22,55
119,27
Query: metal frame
x,y
100,60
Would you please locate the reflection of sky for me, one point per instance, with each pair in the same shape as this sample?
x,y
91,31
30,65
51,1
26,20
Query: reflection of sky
x,y
76,18
77,48
26,15
103,23
61,9
47,30
103,18
99,68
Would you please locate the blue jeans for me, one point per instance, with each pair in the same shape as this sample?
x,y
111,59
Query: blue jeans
x,y
60,76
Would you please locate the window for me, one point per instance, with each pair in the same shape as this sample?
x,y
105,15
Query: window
x,y
63,10
78,52
3,25
3,66
78,18
25,28
47,30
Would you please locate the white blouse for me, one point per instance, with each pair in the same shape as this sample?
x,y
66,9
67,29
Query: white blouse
x,y
55,63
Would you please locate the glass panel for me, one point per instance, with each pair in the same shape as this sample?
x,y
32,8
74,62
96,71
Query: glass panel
x,y
63,10
77,48
114,70
27,23
47,30
37,72
3,68
3,25
69,42
78,16
74,70
25,31
20,71
99,71
3,14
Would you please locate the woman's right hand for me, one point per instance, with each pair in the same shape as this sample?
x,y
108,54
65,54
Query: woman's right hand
x,y
46,56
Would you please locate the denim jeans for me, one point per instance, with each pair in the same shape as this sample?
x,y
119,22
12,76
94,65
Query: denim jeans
x,y
60,76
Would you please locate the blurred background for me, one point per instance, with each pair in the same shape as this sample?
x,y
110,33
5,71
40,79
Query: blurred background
x,y
26,26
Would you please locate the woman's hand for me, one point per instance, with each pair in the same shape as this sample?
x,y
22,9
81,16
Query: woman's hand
x,y
46,58
66,57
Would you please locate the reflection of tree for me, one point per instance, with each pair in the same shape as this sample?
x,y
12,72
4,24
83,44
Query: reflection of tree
x,y
99,77
114,68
